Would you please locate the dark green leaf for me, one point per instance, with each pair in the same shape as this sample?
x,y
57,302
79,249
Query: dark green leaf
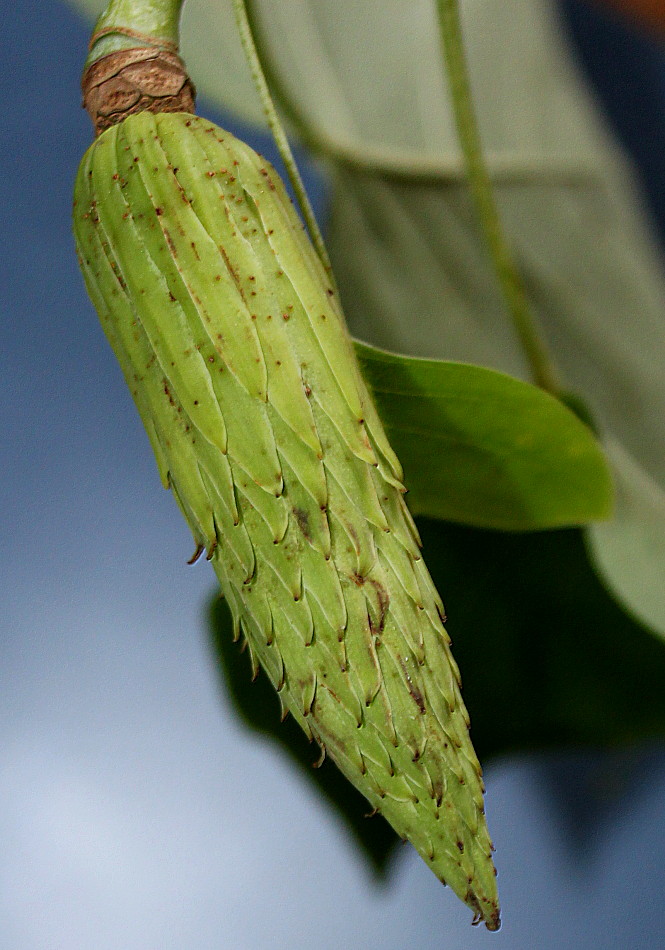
x,y
482,448
548,658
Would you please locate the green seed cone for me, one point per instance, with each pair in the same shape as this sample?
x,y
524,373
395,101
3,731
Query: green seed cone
x,y
236,352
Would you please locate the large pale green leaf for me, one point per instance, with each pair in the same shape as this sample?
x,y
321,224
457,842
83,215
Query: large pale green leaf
x,y
485,449
630,550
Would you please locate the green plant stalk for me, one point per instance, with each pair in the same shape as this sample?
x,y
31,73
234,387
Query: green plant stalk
x,y
124,22
512,286
311,138
281,140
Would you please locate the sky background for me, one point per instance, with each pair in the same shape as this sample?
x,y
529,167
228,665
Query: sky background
x,y
136,813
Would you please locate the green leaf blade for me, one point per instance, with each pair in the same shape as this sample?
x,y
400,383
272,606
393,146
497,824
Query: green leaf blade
x,y
484,449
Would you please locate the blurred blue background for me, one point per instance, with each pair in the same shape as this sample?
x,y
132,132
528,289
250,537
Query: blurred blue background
x,y
135,812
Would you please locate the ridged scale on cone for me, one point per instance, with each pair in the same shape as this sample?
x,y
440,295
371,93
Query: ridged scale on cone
x,y
235,349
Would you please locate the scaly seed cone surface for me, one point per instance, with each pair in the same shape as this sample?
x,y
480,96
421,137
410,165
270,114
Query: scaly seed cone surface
x,y
236,352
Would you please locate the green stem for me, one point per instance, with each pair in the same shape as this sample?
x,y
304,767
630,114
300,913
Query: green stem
x,y
309,137
258,75
509,278
127,23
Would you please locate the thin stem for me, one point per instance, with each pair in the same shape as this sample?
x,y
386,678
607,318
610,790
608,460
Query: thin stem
x,y
509,278
310,137
258,75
